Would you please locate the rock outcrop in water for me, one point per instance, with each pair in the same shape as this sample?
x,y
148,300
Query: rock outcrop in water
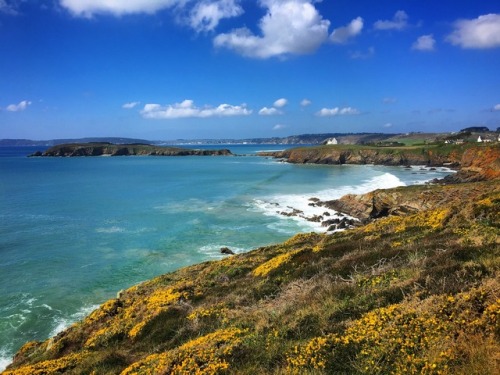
x,y
108,149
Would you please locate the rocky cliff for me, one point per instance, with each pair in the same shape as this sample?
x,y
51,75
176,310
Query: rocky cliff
x,y
480,163
351,154
108,149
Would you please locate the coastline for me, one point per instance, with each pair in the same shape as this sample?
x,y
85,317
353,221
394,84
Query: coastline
x,y
434,197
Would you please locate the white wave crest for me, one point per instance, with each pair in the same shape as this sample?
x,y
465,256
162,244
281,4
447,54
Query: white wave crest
x,y
5,359
213,250
61,323
305,211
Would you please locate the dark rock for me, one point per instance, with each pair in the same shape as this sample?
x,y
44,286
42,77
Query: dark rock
x,y
315,218
327,223
226,250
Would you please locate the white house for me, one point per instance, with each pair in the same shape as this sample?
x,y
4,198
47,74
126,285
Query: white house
x,y
479,139
331,141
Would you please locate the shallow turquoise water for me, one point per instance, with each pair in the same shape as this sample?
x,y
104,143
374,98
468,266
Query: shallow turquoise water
x,y
74,231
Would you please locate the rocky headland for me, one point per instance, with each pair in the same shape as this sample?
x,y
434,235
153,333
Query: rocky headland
x,y
414,290
109,149
432,155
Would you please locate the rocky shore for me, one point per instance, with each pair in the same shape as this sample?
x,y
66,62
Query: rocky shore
x,y
473,164
109,149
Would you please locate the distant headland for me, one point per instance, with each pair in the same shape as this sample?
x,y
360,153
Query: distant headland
x,y
110,149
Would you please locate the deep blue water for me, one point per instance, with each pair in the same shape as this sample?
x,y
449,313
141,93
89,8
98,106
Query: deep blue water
x,y
74,231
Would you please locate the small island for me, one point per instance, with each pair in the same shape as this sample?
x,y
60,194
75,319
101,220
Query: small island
x,y
110,149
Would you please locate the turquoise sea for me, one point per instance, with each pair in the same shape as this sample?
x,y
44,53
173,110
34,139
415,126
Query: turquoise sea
x,y
75,231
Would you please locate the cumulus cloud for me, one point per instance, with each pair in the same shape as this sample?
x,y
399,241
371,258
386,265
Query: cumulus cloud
x,y
398,22
280,103
328,112
202,15
206,15
130,105
424,43
188,109
496,107
346,33
269,111
305,102
481,32
288,27
88,8
18,107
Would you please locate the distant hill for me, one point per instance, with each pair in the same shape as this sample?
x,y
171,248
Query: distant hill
x,y
476,129
55,142
303,139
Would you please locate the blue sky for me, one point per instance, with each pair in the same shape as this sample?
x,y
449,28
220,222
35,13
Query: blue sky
x,y
170,69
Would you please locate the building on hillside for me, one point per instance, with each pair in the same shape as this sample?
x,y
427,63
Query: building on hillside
x,y
331,141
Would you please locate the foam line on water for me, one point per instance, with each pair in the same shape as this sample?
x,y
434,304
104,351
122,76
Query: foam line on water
x,y
61,322
283,206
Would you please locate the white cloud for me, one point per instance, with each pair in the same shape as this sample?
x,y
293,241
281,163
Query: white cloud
x,y
305,102
496,107
88,8
280,103
289,27
269,111
206,15
18,107
424,43
279,127
328,112
398,22
344,34
388,125
130,105
7,8
188,109
481,32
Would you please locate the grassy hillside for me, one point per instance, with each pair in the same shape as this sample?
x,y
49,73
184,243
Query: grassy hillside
x,y
416,293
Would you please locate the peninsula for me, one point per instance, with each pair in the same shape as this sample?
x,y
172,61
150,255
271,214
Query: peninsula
x,y
110,149
413,290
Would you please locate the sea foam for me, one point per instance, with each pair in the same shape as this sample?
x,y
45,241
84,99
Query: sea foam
x,y
283,206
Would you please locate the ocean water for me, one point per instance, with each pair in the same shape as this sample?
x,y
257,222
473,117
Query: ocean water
x,y
75,231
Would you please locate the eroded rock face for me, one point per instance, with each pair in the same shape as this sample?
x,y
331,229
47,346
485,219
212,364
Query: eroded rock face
x,y
376,204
